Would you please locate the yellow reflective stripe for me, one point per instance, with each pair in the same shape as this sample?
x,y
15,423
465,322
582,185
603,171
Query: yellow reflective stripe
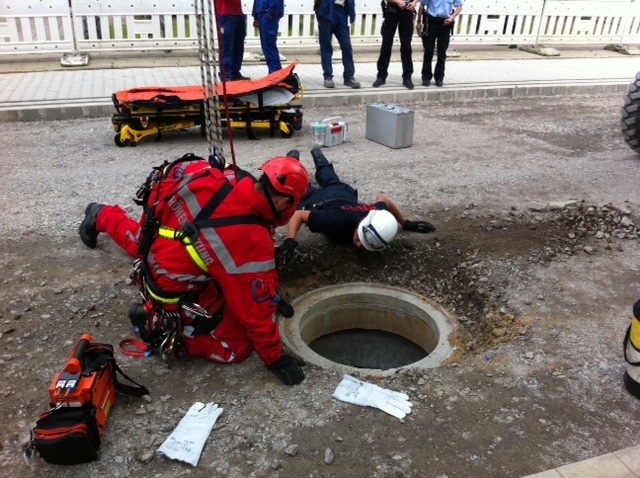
x,y
635,332
196,257
167,232
172,234
160,298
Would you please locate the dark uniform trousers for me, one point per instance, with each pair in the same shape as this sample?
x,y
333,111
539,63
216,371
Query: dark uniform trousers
x,y
436,31
401,20
331,188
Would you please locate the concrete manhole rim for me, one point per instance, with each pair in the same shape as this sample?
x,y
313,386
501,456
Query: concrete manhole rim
x,y
437,318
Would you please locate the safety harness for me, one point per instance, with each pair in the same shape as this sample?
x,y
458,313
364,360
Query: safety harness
x,y
164,323
189,232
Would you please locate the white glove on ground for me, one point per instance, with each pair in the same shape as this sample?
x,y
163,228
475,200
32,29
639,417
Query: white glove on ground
x,y
187,441
357,392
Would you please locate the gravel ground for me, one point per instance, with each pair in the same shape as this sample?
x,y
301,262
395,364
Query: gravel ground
x,y
536,254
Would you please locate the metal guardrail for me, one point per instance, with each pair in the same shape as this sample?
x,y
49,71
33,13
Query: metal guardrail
x,y
47,26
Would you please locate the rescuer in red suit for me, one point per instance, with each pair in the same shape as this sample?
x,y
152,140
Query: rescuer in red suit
x,y
212,246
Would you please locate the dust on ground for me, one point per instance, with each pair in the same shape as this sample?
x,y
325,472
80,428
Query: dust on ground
x,y
535,253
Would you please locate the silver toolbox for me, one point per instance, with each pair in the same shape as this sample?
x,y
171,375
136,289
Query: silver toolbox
x,y
390,125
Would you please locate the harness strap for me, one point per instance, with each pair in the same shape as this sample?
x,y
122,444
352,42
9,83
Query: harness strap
x,y
188,234
158,294
187,241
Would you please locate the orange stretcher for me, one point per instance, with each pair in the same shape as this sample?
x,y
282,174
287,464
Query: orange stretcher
x,y
263,104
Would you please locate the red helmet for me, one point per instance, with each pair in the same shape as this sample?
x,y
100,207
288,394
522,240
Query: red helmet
x,y
287,176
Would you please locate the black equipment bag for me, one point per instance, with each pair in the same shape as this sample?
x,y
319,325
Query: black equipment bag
x,y
67,436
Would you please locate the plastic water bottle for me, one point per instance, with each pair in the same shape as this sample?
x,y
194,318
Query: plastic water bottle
x,y
318,135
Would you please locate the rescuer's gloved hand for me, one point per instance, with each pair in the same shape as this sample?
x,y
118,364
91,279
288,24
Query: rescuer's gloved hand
x,y
286,368
284,253
418,226
284,308
357,392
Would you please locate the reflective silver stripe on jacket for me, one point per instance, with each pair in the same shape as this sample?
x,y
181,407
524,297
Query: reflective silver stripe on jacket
x,y
211,237
176,277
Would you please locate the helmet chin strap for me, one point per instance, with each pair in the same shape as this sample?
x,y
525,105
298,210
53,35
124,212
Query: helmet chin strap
x,y
266,186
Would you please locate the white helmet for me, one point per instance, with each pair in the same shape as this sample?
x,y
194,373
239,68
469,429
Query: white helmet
x,y
377,230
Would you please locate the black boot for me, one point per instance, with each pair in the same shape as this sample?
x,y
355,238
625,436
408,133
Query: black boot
x,y
319,159
294,153
88,232
139,319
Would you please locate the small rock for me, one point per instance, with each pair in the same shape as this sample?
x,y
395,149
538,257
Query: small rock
x,y
328,456
146,456
292,450
626,222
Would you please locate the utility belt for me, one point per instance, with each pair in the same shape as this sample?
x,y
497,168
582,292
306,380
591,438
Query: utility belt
x,y
316,206
390,7
432,19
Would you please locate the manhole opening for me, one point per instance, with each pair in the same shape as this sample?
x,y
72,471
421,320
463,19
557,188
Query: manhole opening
x,y
362,326
363,348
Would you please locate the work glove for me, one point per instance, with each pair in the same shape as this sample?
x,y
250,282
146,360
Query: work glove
x,y
357,392
284,308
187,441
286,368
284,252
418,226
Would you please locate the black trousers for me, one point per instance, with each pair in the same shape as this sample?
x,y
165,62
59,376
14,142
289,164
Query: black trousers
x,y
437,32
401,20
331,188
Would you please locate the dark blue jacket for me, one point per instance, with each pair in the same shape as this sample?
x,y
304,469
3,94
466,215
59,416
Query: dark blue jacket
x,y
273,8
325,10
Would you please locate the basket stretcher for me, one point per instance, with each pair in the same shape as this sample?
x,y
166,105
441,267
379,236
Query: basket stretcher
x,y
263,104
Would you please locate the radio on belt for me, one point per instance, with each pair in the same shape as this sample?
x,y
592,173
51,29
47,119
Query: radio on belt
x,y
330,131
390,125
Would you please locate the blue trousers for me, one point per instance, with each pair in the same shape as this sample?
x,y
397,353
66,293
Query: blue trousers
x,y
339,27
233,30
269,41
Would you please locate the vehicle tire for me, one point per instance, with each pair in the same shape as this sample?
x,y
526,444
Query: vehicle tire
x,y
119,142
630,122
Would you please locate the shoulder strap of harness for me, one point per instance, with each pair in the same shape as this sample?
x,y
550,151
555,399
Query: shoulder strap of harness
x,y
189,232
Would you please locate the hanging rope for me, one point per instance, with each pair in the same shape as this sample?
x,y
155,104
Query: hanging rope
x,y
209,76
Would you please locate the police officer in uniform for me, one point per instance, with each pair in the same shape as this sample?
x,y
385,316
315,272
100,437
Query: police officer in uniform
x,y
398,15
435,25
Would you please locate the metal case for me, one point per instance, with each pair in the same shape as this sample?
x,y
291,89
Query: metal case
x,y
390,125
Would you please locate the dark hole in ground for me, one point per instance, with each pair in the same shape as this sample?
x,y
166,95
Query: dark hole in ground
x,y
364,348
468,263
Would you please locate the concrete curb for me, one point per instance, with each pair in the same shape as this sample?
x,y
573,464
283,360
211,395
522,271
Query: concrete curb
x,y
101,107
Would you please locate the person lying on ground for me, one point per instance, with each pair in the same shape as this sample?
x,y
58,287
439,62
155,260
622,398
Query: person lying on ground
x,y
333,209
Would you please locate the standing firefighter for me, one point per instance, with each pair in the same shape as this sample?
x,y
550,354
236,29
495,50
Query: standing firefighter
x,y
207,271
